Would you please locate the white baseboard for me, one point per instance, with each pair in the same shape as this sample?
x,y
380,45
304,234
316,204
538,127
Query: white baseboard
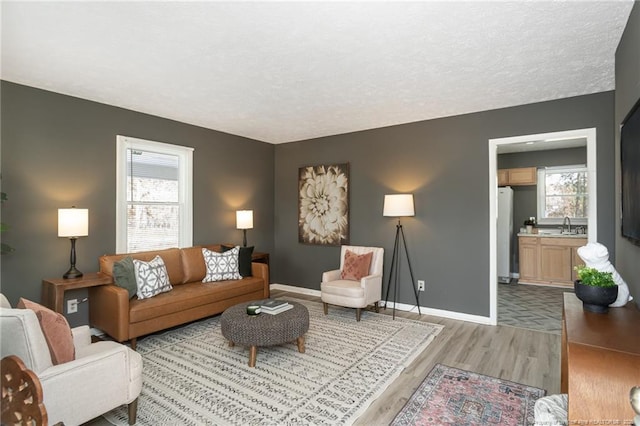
x,y
399,306
294,289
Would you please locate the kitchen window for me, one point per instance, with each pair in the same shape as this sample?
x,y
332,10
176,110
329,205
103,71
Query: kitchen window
x,y
562,192
154,195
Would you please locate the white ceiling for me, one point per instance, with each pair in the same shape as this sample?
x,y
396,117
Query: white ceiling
x,y
287,71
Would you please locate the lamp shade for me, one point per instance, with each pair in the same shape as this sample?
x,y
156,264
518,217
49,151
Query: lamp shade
x,y
397,205
244,219
73,222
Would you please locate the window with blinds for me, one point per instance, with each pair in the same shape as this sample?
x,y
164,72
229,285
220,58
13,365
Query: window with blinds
x,y
154,202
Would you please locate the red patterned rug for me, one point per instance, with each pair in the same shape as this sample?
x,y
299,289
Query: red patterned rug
x,y
449,396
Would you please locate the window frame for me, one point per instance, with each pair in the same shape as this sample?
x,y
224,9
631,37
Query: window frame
x,y
185,186
541,193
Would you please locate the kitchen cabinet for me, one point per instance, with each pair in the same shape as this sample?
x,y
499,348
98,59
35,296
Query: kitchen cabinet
x,y
518,176
576,260
528,250
549,260
555,262
503,177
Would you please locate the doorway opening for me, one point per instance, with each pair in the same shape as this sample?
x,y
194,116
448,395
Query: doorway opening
x,y
544,141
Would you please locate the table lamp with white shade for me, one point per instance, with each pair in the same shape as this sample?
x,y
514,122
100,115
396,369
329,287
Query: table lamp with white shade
x,y
244,221
73,223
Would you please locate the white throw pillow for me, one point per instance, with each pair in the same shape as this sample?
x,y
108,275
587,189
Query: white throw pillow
x,y
151,277
221,266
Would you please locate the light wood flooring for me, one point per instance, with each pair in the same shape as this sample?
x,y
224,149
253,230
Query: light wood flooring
x,y
510,353
524,356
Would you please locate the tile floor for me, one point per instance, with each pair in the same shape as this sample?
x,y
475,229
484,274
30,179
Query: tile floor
x,y
530,306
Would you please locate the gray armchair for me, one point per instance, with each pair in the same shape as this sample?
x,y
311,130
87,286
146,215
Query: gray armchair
x,y
103,375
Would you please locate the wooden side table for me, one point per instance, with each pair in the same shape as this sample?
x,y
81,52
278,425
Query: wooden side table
x,y
260,257
53,289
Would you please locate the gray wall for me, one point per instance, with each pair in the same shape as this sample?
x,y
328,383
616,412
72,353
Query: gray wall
x,y
59,151
444,162
627,94
525,198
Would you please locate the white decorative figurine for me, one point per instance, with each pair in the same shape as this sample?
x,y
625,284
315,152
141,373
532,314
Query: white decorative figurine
x,y
634,397
595,255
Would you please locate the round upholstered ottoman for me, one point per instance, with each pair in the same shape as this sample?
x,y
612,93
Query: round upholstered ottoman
x,y
264,330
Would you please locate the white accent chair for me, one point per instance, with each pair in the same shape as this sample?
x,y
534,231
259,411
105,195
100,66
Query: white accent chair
x,y
354,294
103,376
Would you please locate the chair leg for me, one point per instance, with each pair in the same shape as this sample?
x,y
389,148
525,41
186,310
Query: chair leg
x,y
377,307
325,306
358,311
133,411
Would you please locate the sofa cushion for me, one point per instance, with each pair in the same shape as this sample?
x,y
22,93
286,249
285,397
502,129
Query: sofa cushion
x,y
191,295
171,257
151,277
346,288
221,266
56,331
355,266
193,264
124,275
244,259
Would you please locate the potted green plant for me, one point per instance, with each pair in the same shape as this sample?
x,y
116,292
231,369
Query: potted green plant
x,y
596,289
529,224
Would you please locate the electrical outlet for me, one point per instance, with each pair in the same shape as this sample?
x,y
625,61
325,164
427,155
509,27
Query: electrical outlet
x,y
72,306
421,285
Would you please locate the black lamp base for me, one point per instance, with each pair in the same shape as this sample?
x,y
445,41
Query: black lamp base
x,y
72,273
395,265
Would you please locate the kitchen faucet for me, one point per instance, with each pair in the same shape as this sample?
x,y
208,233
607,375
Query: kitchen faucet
x,y
564,222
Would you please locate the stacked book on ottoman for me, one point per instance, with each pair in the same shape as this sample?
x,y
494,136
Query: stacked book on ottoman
x,y
273,307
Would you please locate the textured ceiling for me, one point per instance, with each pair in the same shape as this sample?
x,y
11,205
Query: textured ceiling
x,y
287,71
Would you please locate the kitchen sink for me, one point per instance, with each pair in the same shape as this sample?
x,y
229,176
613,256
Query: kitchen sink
x,y
548,231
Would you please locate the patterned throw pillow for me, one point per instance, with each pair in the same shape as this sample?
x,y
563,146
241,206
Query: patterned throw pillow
x,y
56,331
355,266
221,266
151,277
244,259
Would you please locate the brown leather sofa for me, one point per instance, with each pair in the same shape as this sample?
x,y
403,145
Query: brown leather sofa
x,y
124,319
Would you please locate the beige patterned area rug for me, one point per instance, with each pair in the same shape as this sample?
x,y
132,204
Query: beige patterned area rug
x,y
192,377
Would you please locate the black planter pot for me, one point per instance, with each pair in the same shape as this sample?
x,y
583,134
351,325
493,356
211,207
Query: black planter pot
x,y
595,299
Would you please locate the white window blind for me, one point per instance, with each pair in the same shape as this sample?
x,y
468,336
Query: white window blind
x,y
154,197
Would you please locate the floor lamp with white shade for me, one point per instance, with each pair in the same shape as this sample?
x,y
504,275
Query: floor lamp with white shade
x,y
399,205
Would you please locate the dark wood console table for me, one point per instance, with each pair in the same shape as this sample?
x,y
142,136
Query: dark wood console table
x,y
600,362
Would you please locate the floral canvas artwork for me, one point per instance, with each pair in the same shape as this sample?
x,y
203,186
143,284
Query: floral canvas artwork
x,y
323,204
